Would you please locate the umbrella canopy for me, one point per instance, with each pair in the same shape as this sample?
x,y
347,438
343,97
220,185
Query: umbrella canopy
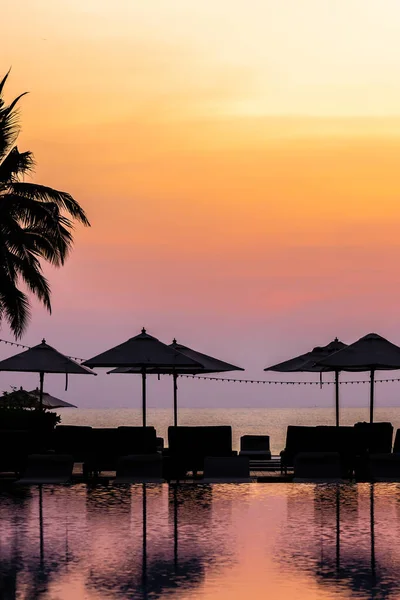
x,y
145,353
209,363
203,364
370,353
308,362
50,401
43,359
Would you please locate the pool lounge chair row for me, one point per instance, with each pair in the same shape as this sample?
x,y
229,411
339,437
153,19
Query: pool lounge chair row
x,y
363,452
99,449
351,443
189,446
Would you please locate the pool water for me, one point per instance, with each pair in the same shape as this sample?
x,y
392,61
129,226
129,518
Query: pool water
x,y
197,541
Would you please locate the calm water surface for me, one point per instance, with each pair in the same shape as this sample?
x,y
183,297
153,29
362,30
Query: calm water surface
x,y
266,421
286,541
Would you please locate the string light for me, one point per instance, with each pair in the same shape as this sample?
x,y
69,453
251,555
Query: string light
x,y
232,380
7,342
268,382
15,344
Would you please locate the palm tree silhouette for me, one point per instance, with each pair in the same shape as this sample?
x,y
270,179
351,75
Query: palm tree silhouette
x,y
36,223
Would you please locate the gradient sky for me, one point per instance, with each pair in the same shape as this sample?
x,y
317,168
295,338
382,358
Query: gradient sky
x,y
239,162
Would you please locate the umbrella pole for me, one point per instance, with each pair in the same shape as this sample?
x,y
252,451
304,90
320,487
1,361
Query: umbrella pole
x,y
371,401
41,375
337,397
175,376
144,397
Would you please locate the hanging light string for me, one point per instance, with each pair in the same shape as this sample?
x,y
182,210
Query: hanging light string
x,y
233,380
7,342
268,382
15,344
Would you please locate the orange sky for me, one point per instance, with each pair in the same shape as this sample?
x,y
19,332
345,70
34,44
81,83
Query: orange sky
x,y
238,161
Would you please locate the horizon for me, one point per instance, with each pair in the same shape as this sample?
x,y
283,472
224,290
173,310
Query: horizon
x,y
239,167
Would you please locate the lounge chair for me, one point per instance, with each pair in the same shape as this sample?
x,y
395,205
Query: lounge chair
x,y
15,446
73,439
317,467
384,467
109,443
47,468
188,447
324,439
339,439
226,469
396,445
137,440
255,447
299,439
140,468
373,438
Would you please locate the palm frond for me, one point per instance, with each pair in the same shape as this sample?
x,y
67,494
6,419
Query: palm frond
x,y
9,129
40,220
47,194
39,245
2,84
11,106
14,165
29,270
14,306
9,118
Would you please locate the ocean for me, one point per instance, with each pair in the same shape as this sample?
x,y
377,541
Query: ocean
x,y
261,421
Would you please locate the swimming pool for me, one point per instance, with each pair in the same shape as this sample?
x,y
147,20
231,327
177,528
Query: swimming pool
x,y
293,541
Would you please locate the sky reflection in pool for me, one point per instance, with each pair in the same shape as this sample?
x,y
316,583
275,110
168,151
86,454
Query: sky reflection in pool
x,y
198,541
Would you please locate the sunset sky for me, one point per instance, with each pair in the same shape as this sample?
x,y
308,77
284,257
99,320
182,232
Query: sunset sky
x,y
239,162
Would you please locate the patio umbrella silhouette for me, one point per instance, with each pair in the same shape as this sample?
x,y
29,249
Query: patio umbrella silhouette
x,y
205,364
43,359
370,353
308,362
144,353
49,401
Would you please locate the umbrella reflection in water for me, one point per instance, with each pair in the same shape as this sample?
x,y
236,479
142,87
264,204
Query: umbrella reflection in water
x,y
341,538
25,563
151,567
